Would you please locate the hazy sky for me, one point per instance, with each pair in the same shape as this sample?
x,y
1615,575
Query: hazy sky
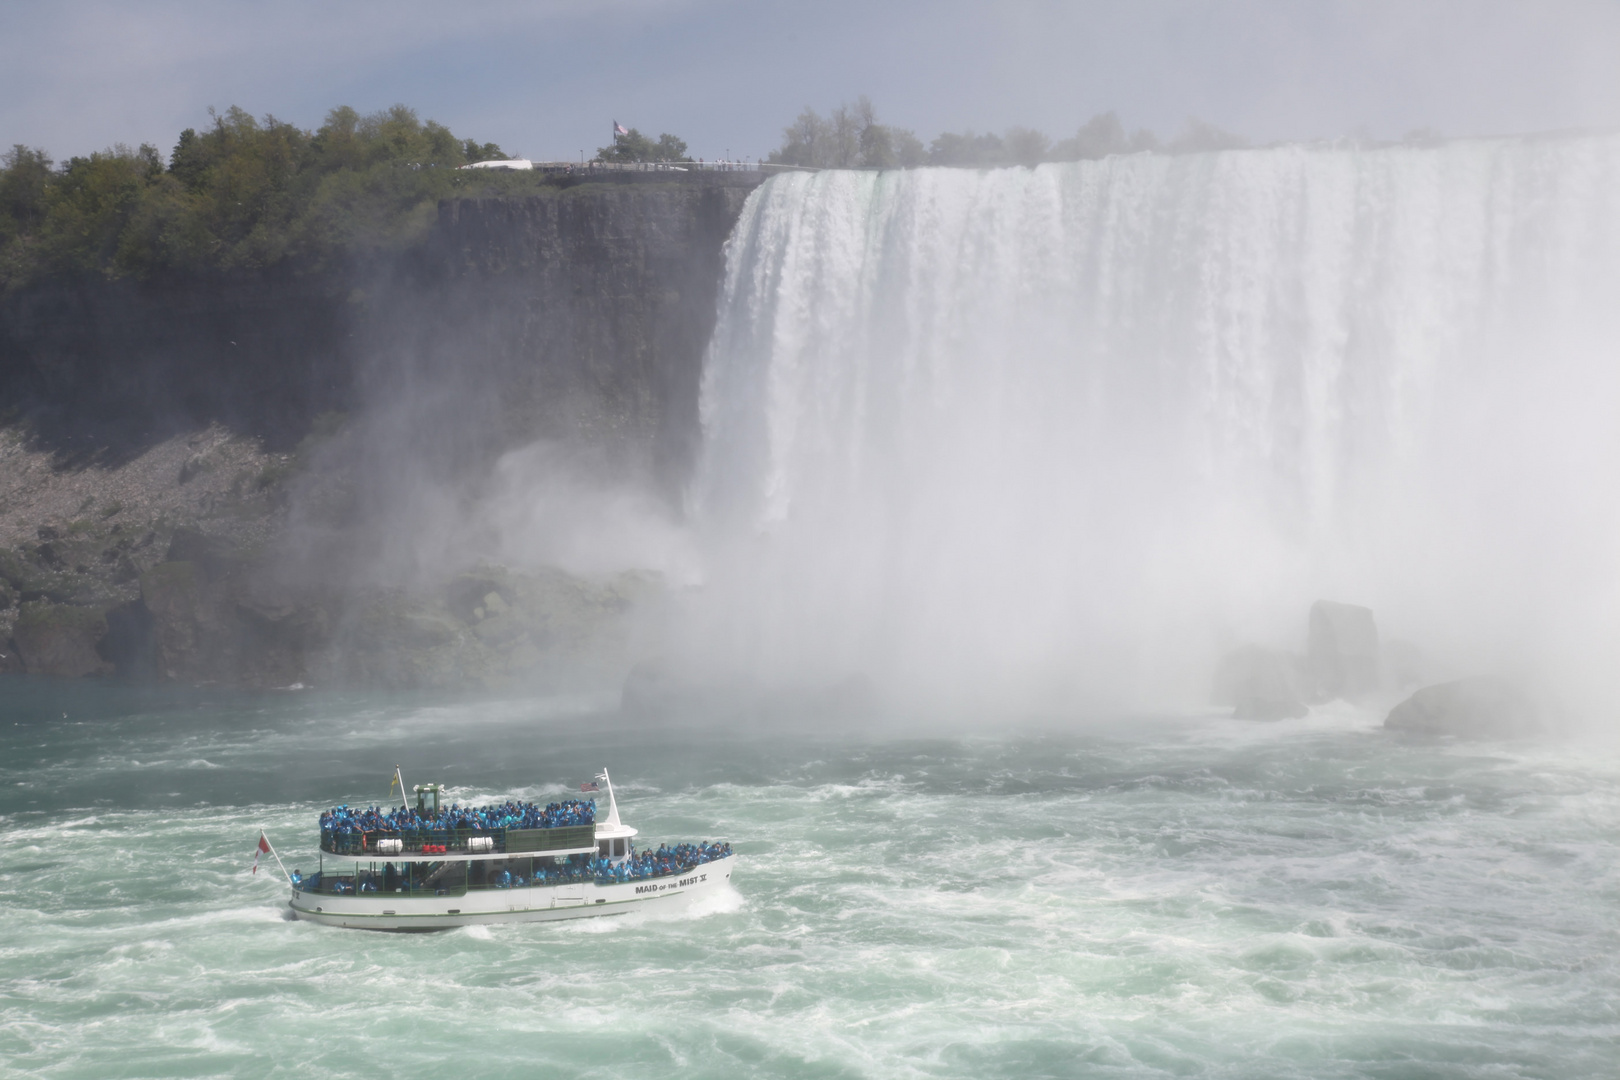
x,y
546,77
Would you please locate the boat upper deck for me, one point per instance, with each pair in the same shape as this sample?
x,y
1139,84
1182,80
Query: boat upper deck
x,y
502,828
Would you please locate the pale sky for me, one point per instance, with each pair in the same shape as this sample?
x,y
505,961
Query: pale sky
x,y
546,78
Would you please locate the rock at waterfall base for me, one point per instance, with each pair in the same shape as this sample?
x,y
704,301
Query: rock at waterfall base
x,y
1341,653
1260,684
1478,708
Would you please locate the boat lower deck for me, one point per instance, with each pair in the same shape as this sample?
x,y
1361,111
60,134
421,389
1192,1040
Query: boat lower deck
x,y
404,911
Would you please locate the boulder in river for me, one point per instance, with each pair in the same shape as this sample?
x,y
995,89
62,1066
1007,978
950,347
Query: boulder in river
x,y
1341,652
1260,684
1480,708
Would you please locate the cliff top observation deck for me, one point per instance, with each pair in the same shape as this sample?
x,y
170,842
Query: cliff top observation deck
x,y
662,168
743,174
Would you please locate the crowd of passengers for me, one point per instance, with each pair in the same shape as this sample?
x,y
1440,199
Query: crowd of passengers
x,y
638,867
666,860
348,821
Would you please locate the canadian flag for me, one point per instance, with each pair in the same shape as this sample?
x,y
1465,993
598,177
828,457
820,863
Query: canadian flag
x,y
620,129
264,847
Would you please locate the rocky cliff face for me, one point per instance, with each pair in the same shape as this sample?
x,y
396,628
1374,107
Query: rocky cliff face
x,y
582,317
186,436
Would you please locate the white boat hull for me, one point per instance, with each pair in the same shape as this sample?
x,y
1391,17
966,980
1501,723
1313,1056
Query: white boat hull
x,y
394,911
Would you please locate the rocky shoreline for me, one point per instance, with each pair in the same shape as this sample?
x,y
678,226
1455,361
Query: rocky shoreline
x,y
169,566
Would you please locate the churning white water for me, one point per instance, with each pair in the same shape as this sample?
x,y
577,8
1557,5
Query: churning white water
x,y
1069,431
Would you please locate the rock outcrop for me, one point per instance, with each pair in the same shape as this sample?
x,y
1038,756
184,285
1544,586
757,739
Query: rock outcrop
x,y
1475,708
1341,660
1261,684
61,639
1341,652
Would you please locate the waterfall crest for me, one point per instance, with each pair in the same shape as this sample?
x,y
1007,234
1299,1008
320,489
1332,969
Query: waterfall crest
x,y
1071,430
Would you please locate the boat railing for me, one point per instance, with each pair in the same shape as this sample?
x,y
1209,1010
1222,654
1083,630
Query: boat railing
x,y
385,843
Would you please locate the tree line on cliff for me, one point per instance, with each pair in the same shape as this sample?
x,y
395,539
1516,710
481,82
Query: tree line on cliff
x,y
242,194
247,193
851,137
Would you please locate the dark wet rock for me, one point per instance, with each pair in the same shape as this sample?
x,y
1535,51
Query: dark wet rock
x,y
1341,651
61,639
1261,684
280,634
499,630
397,622
173,594
1478,708
127,645
214,555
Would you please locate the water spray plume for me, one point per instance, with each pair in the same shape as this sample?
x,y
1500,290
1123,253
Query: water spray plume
x,y
1064,433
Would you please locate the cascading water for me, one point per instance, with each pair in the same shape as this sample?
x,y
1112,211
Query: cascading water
x,y
1067,431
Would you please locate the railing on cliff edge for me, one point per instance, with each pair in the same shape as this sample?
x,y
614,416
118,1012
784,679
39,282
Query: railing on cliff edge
x,y
586,168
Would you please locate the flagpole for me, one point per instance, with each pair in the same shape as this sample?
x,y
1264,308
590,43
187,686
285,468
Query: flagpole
x,y
276,857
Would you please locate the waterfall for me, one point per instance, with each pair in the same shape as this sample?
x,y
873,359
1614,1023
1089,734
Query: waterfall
x,y
1070,431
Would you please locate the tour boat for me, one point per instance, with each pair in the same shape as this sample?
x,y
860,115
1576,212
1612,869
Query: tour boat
x,y
512,862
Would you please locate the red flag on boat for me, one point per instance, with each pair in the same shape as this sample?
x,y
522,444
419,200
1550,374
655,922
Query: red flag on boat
x,y
589,787
264,846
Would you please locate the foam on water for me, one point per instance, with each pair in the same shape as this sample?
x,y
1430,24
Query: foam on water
x,y
1187,897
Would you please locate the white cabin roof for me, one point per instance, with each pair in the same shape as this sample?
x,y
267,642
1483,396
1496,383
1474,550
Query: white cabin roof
x,y
503,163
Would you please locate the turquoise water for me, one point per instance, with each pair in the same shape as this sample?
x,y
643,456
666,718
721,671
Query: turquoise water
x,y
1177,897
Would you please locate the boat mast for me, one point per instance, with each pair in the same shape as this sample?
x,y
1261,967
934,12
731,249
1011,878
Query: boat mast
x,y
613,804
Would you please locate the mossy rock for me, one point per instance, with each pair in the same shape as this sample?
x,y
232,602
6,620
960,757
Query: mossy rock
x,y
170,586
61,639
397,622
30,580
22,573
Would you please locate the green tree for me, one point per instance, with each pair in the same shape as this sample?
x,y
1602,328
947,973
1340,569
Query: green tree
x,y
635,147
1026,146
24,175
89,204
1200,137
804,141
967,149
240,193
1098,137
472,151
850,137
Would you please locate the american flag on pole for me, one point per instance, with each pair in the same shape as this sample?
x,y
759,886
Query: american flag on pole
x,y
620,129
590,786
264,846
